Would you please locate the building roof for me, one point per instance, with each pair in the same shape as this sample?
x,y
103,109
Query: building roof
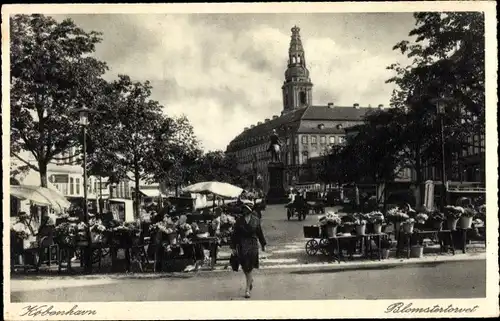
x,y
293,119
335,113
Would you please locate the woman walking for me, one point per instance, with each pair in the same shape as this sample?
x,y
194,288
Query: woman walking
x,y
247,233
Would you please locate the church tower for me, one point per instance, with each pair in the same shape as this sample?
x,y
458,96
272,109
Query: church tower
x,y
297,88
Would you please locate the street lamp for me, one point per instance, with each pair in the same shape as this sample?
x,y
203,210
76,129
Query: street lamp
x,y
84,121
440,108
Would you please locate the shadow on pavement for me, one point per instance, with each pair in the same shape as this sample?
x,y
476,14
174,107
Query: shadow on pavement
x,y
367,268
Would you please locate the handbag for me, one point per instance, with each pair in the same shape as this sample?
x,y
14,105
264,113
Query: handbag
x,y
235,262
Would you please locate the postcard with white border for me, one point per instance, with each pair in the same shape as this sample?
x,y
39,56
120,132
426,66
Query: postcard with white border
x,y
250,160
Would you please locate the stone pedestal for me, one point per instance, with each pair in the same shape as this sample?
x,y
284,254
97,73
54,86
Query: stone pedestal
x,y
276,192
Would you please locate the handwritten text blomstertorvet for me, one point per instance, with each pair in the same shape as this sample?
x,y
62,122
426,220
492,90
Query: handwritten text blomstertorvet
x,y
49,310
400,307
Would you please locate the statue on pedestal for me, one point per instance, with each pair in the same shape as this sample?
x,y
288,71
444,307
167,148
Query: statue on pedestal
x,y
274,147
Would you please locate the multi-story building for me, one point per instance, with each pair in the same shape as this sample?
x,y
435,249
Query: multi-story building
x,y
305,130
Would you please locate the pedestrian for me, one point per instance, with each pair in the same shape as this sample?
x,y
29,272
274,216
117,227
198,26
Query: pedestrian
x,y
244,243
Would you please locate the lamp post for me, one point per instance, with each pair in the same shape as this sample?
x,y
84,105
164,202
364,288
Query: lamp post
x,y
441,113
84,121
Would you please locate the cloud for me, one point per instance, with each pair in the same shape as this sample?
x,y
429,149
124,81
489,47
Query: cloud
x,y
225,76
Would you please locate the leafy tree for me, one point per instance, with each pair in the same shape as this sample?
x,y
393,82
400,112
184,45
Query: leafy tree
x,y
176,153
447,69
52,73
130,137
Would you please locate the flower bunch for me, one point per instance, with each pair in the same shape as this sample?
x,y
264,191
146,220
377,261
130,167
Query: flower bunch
x,y
360,219
66,232
348,220
21,231
81,228
330,219
376,217
437,216
421,218
409,221
482,209
396,215
97,227
469,212
227,219
453,212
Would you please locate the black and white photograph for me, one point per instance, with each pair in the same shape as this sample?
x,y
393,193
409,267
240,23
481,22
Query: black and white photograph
x,y
211,161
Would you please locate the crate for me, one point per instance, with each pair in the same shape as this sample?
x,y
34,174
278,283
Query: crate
x,y
311,232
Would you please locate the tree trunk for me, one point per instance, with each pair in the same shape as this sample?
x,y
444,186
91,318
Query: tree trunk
x,y
419,178
42,166
137,185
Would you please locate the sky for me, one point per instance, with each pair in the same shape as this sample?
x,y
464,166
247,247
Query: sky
x,y
225,71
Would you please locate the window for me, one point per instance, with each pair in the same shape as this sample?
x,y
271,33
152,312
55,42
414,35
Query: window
x,y
304,139
77,182
313,140
332,139
288,141
298,59
322,139
341,139
303,97
304,158
295,140
289,158
71,186
296,159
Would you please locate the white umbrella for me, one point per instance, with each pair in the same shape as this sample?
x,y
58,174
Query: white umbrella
x,y
41,196
217,188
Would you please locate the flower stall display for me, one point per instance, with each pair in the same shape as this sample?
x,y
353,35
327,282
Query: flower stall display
x,y
81,233
222,227
421,218
397,216
360,223
348,223
408,225
125,235
330,222
98,232
437,218
377,219
167,228
22,234
467,217
66,234
453,214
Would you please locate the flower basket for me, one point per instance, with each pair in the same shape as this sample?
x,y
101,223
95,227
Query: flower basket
x,y
330,222
466,222
451,223
417,251
361,229
377,228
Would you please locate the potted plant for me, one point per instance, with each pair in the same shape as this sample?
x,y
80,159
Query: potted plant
x,y
377,219
348,223
437,219
97,232
361,224
417,246
330,222
453,214
408,225
65,234
397,216
385,247
421,219
467,217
